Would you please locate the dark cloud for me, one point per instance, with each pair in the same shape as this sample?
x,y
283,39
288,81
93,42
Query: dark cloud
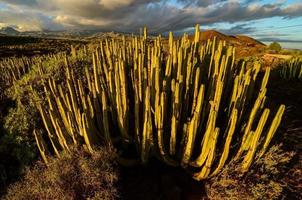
x,y
202,3
130,15
239,29
236,12
27,21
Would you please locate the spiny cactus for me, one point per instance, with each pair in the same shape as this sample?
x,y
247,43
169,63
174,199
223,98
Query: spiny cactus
x,y
188,104
292,69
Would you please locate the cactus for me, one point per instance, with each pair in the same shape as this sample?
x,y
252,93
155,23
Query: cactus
x,y
12,69
254,140
185,104
291,69
272,130
41,146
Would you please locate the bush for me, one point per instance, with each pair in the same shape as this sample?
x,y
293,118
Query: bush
x,y
275,46
20,122
14,156
263,181
75,175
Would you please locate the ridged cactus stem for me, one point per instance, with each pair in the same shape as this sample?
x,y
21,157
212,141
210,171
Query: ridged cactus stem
x,y
206,169
272,130
230,132
41,146
193,127
247,161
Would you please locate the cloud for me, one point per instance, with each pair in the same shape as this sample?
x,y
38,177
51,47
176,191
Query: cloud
x,y
239,29
264,35
202,3
27,21
130,15
21,2
274,39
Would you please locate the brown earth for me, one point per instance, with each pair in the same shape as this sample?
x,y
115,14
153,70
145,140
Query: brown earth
x,y
245,45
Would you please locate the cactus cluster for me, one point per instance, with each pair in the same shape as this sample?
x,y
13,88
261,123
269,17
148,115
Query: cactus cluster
x,y
13,69
292,69
189,105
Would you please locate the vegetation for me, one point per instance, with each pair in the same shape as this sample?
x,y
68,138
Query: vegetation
x,y
14,155
76,175
17,146
292,69
219,103
187,103
268,171
18,46
293,52
275,46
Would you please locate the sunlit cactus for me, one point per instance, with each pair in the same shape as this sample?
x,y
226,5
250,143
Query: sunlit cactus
x,y
189,105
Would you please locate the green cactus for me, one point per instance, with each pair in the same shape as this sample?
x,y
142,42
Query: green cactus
x,y
291,69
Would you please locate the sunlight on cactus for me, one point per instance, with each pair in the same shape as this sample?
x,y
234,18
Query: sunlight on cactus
x,y
189,104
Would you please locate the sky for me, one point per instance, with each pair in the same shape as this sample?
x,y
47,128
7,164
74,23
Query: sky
x,y
265,20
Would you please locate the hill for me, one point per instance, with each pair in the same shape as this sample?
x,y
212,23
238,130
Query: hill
x,y
210,34
249,41
9,31
245,45
235,40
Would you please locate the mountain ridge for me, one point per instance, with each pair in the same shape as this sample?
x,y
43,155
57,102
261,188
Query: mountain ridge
x,y
9,31
235,40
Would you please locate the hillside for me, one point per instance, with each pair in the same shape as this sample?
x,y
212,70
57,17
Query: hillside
x,y
245,45
210,34
249,41
9,31
30,46
235,40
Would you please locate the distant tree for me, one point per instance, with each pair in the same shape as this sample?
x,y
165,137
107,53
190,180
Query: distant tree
x,y
275,46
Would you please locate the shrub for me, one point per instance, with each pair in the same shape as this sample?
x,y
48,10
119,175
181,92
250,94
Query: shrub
x,y
265,179
20,122
75,175
14,156
275,46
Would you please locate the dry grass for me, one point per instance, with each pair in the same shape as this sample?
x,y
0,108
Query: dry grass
x,y
265,180
280,56
76,175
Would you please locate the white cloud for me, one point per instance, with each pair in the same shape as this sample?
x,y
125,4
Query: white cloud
x,y
129,15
